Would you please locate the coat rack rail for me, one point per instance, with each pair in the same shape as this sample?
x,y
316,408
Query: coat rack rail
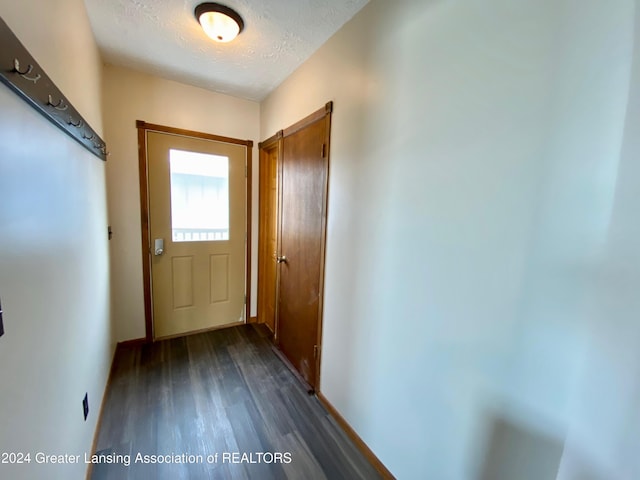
x,y
21,73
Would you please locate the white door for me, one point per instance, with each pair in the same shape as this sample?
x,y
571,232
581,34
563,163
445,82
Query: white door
x,y
197,219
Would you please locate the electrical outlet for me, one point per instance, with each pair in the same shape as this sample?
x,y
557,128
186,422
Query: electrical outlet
x,y
85,406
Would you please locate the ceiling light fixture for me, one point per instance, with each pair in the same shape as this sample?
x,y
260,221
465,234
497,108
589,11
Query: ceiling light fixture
x,y
219,22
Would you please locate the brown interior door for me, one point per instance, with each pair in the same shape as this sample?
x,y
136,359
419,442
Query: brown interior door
x,y
304,173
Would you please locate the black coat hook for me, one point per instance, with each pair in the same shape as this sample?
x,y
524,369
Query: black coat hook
x,y
72,123
58,106
16,69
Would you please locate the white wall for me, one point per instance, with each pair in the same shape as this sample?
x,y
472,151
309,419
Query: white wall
x,y
54,267
131,96
482,263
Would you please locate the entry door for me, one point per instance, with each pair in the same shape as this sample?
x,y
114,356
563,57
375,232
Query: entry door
x,y
303,212
197,228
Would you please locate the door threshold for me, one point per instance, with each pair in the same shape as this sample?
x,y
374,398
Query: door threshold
x,y
196,332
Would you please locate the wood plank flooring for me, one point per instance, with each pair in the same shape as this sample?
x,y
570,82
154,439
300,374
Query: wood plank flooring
x,y
220,392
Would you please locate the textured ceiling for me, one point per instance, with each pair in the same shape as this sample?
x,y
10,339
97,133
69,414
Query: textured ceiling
x,y
162,37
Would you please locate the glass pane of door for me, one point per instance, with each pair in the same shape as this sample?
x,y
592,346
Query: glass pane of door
x,y
199,196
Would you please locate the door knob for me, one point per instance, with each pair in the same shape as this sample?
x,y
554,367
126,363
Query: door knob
x,y
158,246
281,259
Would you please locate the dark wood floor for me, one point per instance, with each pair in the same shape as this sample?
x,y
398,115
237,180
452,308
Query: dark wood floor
x,y
218,392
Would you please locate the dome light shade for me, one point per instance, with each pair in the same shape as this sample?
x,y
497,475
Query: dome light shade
x,y
219,22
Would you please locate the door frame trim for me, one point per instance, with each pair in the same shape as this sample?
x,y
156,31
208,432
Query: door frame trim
x,y
144,127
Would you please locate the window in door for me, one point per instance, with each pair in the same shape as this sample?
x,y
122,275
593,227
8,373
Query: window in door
x,y
199,196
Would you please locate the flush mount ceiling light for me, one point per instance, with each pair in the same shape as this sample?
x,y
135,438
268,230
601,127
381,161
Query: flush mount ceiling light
x,y
219,22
